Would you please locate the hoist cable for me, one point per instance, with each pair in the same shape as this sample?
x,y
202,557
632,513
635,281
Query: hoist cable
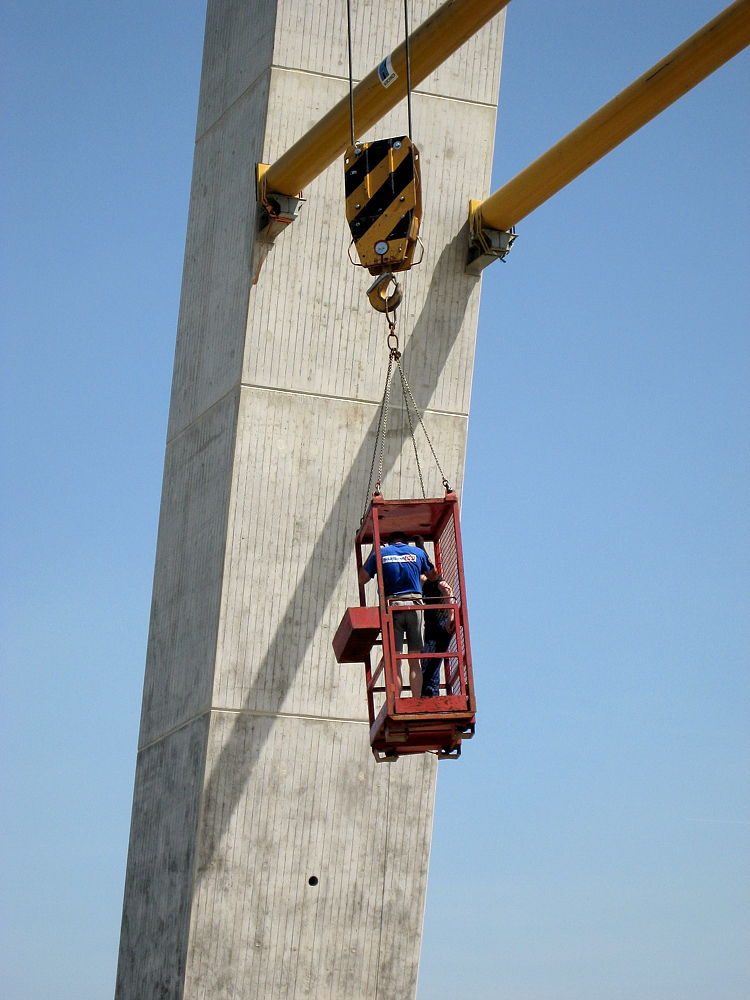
x,y
351,80
408,65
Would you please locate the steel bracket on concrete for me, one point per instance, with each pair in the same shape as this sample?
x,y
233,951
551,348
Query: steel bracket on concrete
x,y
276,210
485,245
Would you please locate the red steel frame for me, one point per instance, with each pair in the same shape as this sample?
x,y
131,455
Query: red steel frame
x,y
405,725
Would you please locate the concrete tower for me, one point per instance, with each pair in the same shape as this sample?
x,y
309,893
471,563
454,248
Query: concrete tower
x,y
270,856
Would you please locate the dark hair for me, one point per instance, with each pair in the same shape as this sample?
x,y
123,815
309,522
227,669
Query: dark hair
x,y
397,536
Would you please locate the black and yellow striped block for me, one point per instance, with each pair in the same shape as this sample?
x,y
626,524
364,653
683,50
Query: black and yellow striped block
x,y
384,202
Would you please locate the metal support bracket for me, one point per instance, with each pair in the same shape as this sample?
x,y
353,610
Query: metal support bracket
x,y
276,210
485,245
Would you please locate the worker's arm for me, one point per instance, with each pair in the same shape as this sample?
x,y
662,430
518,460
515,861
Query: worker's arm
x,y
368,571
428,573
447,591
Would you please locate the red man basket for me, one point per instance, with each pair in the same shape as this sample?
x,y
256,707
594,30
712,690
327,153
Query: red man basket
x,y
399,723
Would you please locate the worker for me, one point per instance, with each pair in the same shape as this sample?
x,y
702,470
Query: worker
x,y
439,627
403,568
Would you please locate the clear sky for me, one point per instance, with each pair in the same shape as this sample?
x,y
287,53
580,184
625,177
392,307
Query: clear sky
x,y
593,840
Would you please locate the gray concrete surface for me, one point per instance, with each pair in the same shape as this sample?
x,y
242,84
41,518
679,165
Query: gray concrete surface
x,y
254,771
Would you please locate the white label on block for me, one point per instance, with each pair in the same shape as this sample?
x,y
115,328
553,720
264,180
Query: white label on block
x,y
386,72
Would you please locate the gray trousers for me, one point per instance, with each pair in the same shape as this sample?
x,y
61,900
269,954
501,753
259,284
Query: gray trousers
x,y
407,625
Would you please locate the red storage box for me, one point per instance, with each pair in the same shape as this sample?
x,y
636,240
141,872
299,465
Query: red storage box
x,y
356,634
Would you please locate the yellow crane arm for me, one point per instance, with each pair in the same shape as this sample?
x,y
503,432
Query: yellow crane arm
x,y
694,60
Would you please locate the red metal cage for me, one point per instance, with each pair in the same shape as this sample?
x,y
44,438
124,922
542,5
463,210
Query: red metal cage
x,y
402,724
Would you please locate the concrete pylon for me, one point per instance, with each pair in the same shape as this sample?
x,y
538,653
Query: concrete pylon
x,y
270,855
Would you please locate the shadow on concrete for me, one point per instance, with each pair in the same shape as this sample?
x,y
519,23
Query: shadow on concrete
x,y
434,334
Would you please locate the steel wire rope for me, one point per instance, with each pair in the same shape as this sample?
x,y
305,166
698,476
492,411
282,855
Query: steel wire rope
x,y
407,53
408,65
351,79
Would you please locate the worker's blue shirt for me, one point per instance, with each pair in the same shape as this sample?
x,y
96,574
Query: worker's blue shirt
x,y
402,566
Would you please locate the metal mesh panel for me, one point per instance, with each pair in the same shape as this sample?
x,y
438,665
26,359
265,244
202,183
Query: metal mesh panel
x,y
449,571
449,557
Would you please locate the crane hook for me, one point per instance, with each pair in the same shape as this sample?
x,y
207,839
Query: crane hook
x,y
377,293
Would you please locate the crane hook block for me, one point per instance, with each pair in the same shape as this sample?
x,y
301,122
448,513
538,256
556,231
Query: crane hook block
x,y
384,202
378,295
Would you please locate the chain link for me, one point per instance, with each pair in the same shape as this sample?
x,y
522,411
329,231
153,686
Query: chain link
x,y
404,385
383,410
388,384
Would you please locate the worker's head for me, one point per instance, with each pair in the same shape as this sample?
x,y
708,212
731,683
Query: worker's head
x,y
396,537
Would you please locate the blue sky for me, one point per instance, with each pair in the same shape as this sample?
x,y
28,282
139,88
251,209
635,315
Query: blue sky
x,y
593,840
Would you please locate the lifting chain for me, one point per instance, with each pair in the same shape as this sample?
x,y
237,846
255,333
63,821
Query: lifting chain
x,y
394,357
392,340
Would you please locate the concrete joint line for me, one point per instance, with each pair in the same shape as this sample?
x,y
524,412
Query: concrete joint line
x,y
416,90
182,430
253,712
347,399
301,392
237,100
290,715
174,729
327,76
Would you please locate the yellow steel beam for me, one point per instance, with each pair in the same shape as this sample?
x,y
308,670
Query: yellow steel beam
x,y
430,44
651,93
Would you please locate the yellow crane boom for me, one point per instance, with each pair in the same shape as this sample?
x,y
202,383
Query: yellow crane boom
x,y
676,74
437,38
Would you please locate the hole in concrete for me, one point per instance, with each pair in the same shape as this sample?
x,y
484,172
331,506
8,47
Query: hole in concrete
x,y
313,880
